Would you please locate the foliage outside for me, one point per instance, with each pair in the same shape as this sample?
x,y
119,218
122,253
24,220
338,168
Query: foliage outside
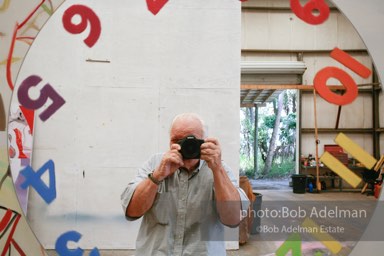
x,y
284,146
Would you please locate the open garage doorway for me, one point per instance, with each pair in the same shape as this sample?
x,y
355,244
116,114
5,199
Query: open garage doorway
x,y
269,122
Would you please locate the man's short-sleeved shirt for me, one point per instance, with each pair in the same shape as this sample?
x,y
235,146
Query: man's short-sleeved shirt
x,y
183,218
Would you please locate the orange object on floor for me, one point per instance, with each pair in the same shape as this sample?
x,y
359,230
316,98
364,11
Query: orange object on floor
x,y
377,190
245,224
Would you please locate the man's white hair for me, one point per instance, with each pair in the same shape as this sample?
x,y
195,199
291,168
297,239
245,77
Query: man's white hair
x,y
190,116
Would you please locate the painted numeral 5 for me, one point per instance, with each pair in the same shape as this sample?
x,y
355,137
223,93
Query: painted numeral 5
x,y
307,12
47,92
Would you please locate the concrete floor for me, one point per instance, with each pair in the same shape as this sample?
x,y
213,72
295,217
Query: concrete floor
x,y
271,184
255,247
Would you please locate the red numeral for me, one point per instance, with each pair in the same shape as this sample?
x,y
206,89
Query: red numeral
x,y
348,61
307,12
87,15
321,78
154,6
320,83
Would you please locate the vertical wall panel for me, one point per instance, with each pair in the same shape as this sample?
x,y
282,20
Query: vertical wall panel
x,y
121,96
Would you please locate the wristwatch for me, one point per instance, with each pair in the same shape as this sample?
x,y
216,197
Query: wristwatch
x,y
153,179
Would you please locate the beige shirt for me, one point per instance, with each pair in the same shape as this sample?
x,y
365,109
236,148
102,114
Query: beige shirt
x,y
183,219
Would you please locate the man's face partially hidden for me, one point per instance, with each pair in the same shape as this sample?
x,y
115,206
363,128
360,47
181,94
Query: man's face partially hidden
x,y
182,128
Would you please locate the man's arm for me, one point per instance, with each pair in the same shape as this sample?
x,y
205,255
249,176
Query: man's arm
x,y
142,199
145,192
226,194
227,198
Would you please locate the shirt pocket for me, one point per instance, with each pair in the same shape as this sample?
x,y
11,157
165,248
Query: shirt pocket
x,y
201,204
162,210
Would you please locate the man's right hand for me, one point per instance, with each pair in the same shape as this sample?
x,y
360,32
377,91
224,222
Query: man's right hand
x,y
172,160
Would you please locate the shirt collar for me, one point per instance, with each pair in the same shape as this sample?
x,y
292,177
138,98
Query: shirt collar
x,y
194,172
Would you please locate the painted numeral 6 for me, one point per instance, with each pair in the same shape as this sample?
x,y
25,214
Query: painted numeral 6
x,y
307,12
87,15
47,92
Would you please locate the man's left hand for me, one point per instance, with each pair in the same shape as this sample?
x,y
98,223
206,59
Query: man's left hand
x,y
211,153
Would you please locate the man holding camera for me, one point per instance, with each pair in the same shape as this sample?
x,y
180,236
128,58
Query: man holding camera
x,y
185,195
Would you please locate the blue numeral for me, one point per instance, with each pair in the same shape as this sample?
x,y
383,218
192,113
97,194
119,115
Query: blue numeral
x,y
34,180
73,236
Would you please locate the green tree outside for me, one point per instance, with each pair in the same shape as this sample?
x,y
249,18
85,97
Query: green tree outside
x,y
284,152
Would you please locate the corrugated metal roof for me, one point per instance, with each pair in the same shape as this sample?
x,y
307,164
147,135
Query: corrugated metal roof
x,y
271,75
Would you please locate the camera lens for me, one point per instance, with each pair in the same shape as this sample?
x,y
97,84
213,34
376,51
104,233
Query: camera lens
x,y
190,147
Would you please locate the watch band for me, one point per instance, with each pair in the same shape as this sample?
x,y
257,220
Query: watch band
x,y
153,179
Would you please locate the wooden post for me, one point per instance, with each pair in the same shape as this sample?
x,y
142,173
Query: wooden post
x,y
318,184
256,140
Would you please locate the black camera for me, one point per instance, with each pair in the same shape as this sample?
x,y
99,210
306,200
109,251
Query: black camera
x,y
190,147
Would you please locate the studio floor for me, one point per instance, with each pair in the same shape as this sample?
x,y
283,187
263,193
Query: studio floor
x,y
255,247
268,248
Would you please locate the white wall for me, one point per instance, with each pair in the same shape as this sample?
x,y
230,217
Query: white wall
x,y
284,30
186,58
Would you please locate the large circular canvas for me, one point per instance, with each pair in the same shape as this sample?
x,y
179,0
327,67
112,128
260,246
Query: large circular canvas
x,y
65,63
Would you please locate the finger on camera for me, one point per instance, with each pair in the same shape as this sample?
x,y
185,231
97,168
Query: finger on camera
x,y
204,157
175,146
179,160
175,158
210,143
212,140
174,153
207,152
207,145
